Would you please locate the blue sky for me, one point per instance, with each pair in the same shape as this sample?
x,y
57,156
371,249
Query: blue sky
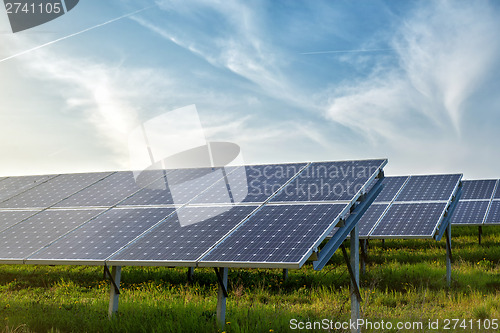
x,y
414,81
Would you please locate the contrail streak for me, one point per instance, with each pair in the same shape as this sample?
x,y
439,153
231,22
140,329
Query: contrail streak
x,y
74,34
347,51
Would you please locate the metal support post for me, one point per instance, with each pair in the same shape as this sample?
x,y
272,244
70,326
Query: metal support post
x,y
285,274
221,296
114,292
190,273
355,296
448,254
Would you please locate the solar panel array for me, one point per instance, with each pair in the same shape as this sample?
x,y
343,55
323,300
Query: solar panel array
x,y
263,215
409,207
479,204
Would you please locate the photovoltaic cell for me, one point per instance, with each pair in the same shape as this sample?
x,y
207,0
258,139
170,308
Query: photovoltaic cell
x,y
101,237
470,212
40,230
108,191
177,187
277,234
9,218
391,186
494,213
53,191
329,181
370,218
12,186
252,184
172,242
477,189
497,193
429,188
410,220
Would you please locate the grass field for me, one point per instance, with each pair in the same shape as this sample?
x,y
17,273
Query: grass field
x,y
404,282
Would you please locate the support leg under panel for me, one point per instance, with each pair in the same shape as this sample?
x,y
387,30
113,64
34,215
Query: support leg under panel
x,y
114,293
222,296
354,262
448,254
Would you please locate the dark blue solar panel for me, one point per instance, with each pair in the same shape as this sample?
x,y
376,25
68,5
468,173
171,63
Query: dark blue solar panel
x,y
391,186
497,193
54,190
14,185
104,235
370,218
9,218
494,213
171,241
429,188
277,234
410,220
329,181
109,191
469,212
177,187
477,189
40,230
254,183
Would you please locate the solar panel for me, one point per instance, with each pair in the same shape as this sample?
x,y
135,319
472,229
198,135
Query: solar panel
x,y
171,243
370,218
478,189
177,187
104,235
251,184
410,220
40,230
497,193
9,218
391,186
14,185
494,213
54,190
429,188
277,234
108,191
470,212
329,181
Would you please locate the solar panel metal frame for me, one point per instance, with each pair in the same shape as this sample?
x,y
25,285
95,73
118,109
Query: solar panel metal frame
x,y
438,226
490,201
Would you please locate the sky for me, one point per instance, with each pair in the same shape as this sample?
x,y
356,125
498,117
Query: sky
x,y
413,81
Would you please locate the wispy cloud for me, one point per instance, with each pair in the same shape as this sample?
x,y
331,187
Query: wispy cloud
x,y
445,53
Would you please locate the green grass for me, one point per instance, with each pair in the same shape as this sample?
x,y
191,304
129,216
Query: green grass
x,y
404,281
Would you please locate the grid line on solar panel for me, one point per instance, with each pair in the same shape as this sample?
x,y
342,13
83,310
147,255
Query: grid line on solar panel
x,y
250,184
178,187
13,186
8,218
493,213
171,242
111,190
478,189
391,187
410,220
102,236
330,181
38,231
429,188
276,234
370,218
54,190
471,212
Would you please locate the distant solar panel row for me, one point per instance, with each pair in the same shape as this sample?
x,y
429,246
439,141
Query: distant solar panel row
x,y
409,207
480,204
264,216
